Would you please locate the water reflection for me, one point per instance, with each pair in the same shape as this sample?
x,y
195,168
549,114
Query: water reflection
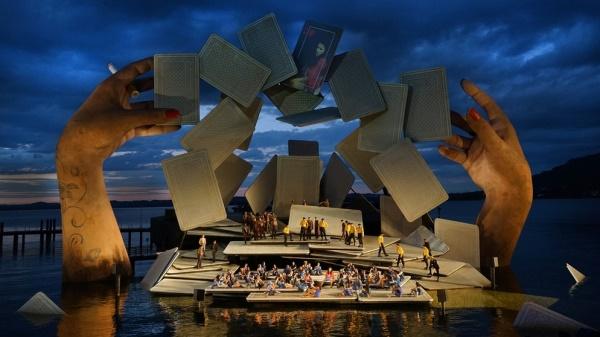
x,y
92,309
219,320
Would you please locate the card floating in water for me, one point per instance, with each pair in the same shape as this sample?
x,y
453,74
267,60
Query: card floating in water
x,y
40,304
577,275
545,322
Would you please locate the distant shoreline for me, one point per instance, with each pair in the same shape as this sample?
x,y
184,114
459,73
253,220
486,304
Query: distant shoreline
x,y
467,196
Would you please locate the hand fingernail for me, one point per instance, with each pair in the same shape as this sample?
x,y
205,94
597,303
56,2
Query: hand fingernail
x,y
473,114
172,114
462,81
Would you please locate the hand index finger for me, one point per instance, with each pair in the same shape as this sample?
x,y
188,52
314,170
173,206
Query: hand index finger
x,y
135,69
483,99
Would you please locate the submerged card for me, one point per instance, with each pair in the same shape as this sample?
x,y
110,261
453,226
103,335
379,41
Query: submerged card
x,y
176,85
409,180
232,71
194,189
264,41
428,109
313,55
353,86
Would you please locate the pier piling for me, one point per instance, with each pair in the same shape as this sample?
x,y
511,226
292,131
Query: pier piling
x,y
1,237
15,244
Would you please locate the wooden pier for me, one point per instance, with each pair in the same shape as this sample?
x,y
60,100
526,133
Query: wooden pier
x,y
49,229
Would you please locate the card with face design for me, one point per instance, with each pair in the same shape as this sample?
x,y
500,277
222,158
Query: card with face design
x,y
313,55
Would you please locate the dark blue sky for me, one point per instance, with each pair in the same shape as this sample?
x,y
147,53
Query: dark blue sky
x,y
540,60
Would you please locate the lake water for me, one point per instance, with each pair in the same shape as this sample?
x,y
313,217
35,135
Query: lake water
x,y
556,232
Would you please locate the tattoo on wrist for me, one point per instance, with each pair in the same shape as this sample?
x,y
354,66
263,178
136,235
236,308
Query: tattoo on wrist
x,y
76,240
92,255
75,216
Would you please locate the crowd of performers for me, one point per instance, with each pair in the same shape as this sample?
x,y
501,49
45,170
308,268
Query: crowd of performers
x,y
258,226
351,233
349,280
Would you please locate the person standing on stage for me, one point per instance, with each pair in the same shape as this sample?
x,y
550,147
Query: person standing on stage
x,y
426,255
323,228
400,252
201,251
286,233
215,247
359,234
303,227
381,245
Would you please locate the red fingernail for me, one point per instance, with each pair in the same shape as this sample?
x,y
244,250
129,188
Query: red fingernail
x,y
172,114
473,114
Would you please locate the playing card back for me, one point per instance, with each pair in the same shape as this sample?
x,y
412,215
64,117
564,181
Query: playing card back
x,y
290,101
260,193
353,86
428,109
220,132
336,181
409,180
311,117
303,147
298,180
379,132
194,190
230,176
176,85
230,70
359,160
264,41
